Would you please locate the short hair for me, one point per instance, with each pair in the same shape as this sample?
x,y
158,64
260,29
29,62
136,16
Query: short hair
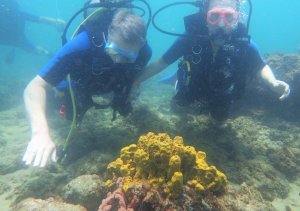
x,y
207,2
130,26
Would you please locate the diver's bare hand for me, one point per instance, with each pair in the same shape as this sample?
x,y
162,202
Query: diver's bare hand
x,y
39,149
281,88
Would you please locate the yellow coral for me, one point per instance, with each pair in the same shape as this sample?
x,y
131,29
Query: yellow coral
x,y
174,165
114,167
127,152
176,184
127,170
167,164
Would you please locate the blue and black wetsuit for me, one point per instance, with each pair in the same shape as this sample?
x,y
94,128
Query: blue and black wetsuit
x,y
215,79
93,72
12,25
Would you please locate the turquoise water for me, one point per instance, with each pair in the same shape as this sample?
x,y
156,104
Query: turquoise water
x,y
275,24
275,27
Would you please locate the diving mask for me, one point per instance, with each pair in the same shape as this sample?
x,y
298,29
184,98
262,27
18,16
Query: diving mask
x,y
229,16
120,55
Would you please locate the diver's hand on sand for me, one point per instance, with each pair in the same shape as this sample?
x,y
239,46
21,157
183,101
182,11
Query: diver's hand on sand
x,y
281,88
39,149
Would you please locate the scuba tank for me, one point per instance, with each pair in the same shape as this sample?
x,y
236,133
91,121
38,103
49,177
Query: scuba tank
x,y
108,4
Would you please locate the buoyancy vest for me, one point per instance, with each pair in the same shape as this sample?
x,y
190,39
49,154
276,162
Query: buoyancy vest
x,y
211,76
100,74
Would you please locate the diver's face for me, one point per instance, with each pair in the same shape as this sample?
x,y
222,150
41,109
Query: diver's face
x,y
222,15
121,51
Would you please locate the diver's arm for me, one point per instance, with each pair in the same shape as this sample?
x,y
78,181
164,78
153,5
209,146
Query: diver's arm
x,y
56,22
176,51
50,20
28,16
35,102
152,69
277,86
41,146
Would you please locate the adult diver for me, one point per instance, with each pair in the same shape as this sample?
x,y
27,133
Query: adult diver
x,y
104,56
13,21
217,55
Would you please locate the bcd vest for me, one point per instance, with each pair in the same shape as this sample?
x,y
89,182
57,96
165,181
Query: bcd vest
x,y
100,74
211,76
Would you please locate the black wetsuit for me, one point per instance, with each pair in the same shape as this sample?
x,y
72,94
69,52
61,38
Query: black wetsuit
x,y
12,25
93,72
215,79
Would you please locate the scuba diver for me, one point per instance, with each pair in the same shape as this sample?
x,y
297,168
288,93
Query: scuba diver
x,y
104,56
218,57
12,28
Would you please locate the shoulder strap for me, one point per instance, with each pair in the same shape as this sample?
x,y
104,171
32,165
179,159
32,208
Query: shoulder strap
x,y
96,24
241,35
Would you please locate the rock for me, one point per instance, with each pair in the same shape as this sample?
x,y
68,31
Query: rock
x,y
42,185
10,167
48,204
87,190
243,198
92,163
4,187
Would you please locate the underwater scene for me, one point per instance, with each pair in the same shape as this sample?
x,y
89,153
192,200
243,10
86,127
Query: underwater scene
x,y
93,131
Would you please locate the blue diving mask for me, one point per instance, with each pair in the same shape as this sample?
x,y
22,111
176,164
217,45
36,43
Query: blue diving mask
x,y
120,55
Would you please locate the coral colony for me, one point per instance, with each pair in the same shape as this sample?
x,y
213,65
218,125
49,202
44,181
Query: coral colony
x,y
160,172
